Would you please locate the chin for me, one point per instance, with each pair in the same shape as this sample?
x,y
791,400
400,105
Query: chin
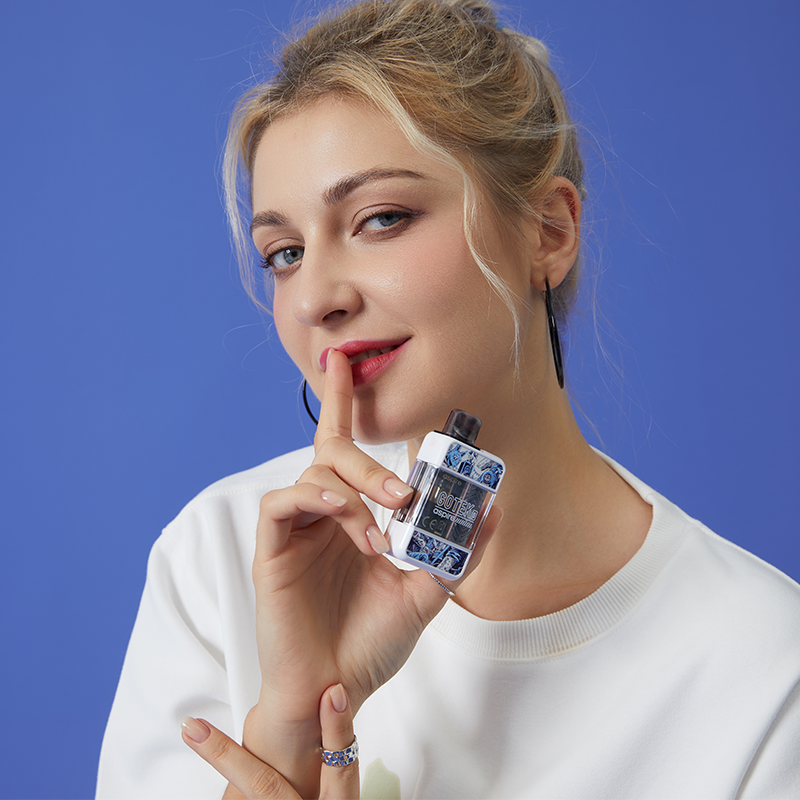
x,y
382,434
387,424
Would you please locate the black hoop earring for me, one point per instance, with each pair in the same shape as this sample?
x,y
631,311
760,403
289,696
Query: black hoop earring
x,y
554,340
305,403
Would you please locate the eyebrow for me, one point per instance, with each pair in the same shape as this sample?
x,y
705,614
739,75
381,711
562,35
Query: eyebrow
x,y
338,192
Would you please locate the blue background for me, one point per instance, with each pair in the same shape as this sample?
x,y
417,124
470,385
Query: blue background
x,y
135,370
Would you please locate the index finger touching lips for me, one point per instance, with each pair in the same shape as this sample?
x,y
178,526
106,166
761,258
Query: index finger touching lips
x,y
351,464
336,410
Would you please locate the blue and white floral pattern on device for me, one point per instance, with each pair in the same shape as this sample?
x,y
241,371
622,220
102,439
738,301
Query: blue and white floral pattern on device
x,y
432,551
473,464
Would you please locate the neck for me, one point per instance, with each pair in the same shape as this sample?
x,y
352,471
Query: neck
x,y
570,521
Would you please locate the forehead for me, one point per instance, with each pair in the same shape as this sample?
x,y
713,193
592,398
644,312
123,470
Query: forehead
x,y
300,155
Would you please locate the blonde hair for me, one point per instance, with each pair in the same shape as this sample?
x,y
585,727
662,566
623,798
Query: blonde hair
x,y
476,96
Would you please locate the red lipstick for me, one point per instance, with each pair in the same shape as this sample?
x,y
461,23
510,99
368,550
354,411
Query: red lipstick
x,y
368,358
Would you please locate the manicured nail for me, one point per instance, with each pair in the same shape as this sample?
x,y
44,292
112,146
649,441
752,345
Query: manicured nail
x,y
339,698
195,730
377,540
333,498
396,488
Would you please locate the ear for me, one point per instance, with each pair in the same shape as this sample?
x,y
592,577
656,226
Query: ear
x,y
555,246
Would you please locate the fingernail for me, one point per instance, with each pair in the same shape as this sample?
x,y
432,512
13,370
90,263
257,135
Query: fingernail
x,y
195,730
377,540
334,499
339,698
396,488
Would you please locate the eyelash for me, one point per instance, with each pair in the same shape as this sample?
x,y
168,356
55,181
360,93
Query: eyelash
x,y
405,215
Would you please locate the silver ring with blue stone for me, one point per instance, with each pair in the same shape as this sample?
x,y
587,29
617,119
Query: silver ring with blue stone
x,y
340,758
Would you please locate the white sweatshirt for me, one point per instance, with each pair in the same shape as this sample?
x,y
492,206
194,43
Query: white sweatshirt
x,y
678,678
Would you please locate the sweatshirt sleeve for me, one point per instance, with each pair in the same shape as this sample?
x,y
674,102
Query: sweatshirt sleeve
x,y
774,773
174,667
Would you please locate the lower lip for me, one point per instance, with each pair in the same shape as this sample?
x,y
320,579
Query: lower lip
x,y
367,370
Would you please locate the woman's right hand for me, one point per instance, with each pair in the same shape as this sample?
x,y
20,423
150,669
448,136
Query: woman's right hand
x,y
328,609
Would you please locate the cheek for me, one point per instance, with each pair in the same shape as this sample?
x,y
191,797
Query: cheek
x,y
290,331
439,274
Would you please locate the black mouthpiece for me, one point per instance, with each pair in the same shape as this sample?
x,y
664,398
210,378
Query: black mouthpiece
x,y
462,426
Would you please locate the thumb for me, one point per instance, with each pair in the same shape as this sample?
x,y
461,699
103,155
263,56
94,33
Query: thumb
x,y
339,745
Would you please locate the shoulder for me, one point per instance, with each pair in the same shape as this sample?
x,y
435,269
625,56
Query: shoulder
x,y
743,608
721,590
212,538
228,508
284,470
730,580
754,601
235,498
276,473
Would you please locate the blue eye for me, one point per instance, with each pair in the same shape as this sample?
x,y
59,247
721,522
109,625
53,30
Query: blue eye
x,y
386,219
282,259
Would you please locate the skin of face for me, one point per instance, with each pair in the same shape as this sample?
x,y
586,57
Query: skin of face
x,y
365,238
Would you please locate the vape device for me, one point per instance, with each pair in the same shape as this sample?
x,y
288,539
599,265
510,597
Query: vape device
x,y
454,485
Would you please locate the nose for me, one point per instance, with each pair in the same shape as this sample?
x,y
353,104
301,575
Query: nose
x,y
325,292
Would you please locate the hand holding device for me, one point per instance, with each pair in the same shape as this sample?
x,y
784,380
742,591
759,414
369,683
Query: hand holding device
x,y
329,609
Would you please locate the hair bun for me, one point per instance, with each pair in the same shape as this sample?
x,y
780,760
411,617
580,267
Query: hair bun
x,y
480,10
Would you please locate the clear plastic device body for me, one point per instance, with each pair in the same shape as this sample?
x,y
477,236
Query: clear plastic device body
x,y
454,486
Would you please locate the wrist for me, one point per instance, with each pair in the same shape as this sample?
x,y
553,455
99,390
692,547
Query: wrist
x,y
291,746
298,711
266,724
289,709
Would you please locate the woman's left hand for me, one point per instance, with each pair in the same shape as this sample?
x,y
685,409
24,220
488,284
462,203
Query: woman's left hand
x,y
249,777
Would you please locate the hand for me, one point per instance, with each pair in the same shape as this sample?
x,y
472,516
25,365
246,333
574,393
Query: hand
x,y
328,609
248,777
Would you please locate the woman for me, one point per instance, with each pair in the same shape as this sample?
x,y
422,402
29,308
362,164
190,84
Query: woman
x,y
415,194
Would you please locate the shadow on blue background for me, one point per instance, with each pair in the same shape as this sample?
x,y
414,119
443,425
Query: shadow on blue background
x,y
135,371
